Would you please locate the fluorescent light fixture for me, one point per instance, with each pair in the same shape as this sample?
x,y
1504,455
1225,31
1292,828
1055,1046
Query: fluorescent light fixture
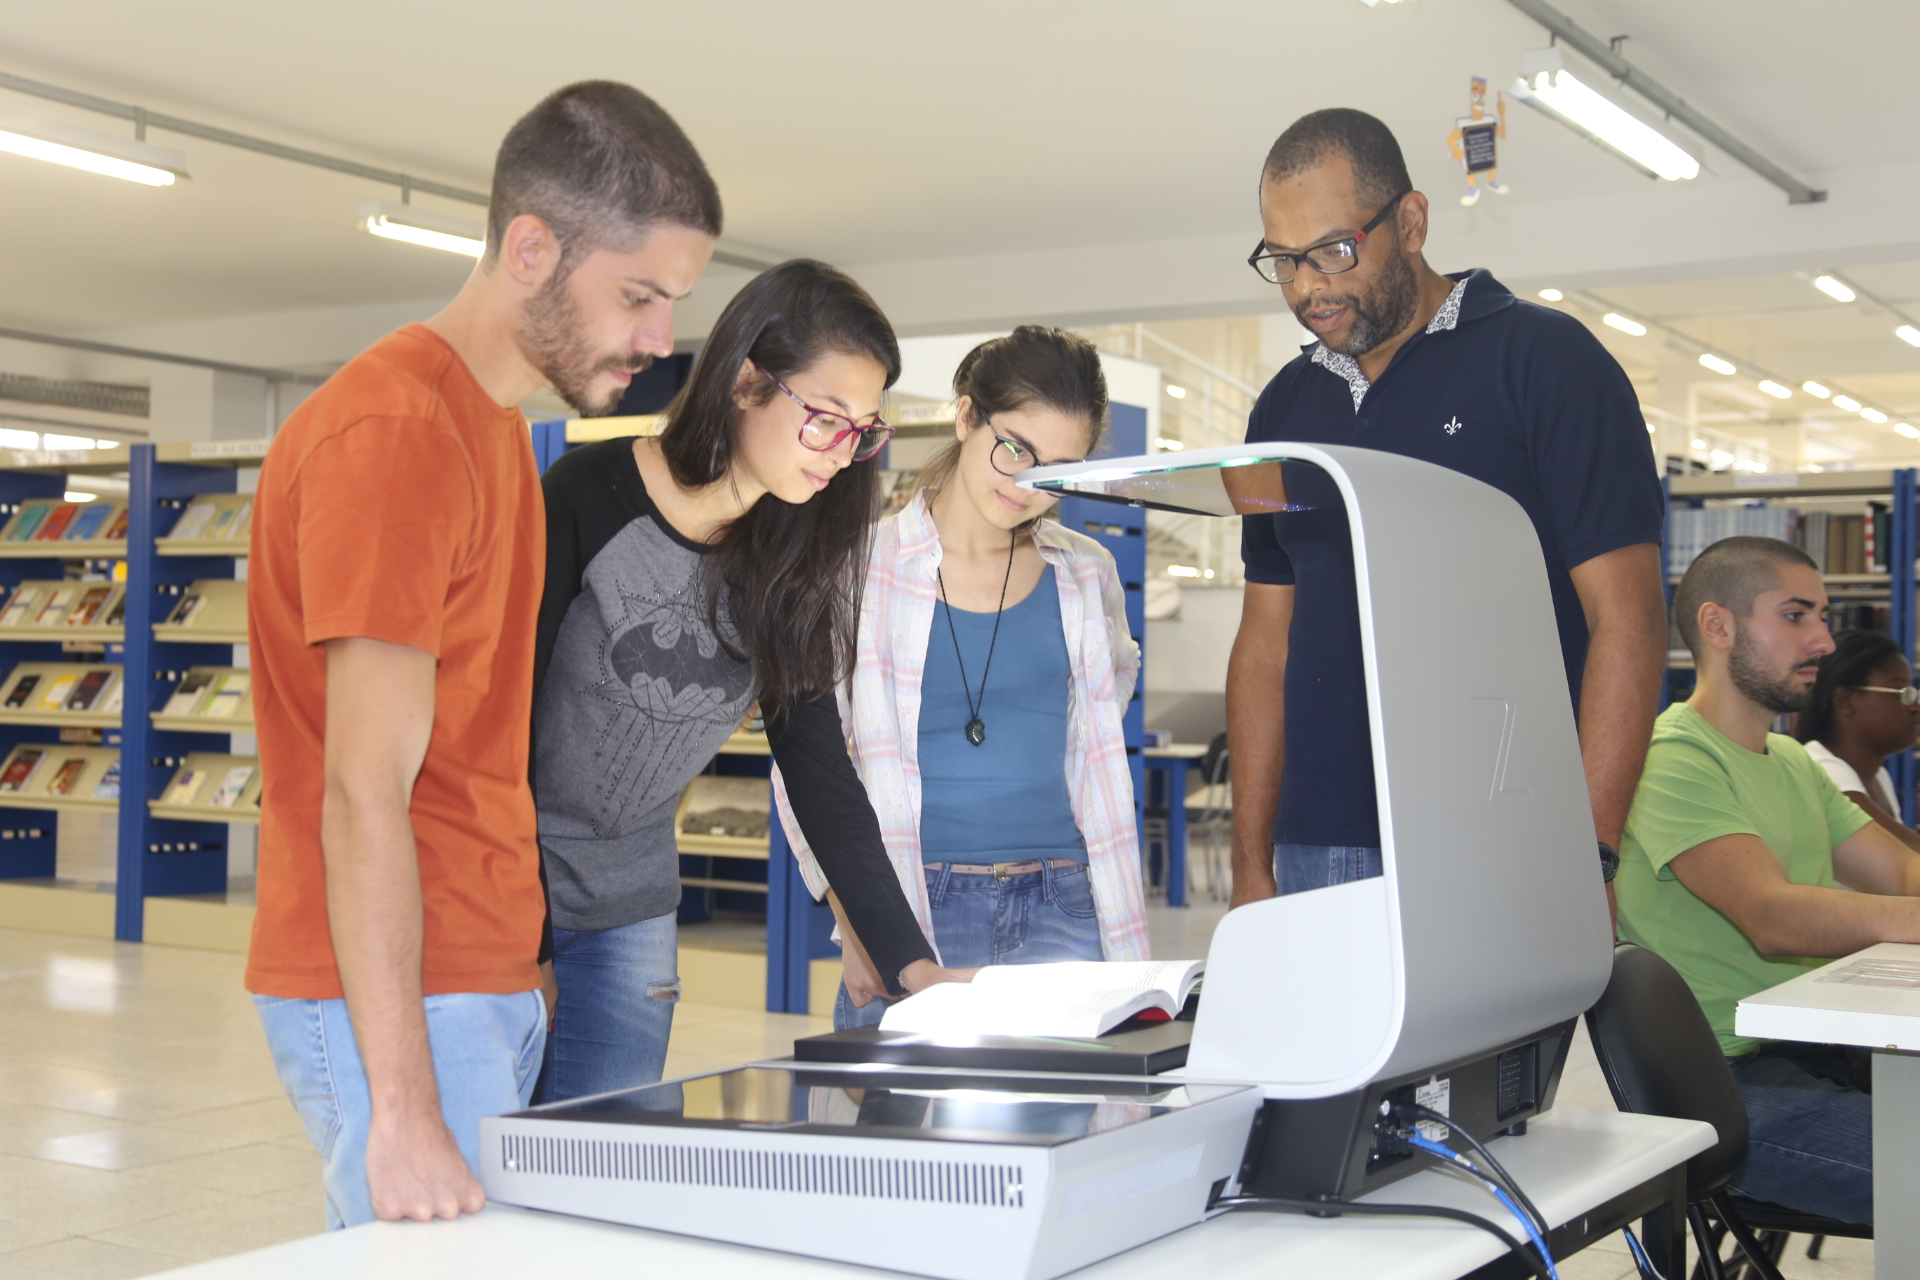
x,y
1873,415
1625,325
1846,402
1182,571
1908,430
1835,289
1815,389
1715,363
57,142
1546,85
424,227
1720,457
1699,444
1774,389
1176,391
1651,429
74,495
1552,295
1908,334
1172,446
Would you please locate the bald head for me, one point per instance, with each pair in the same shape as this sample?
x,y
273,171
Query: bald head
x,y
1731,573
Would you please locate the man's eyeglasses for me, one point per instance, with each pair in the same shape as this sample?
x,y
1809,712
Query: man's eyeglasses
x,y
824,429
1010,457
1329,259
1908,696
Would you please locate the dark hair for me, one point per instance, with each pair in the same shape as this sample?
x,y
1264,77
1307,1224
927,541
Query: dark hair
x,y
1032,365
600,163
1379,170
1730,573
1854,657
787,575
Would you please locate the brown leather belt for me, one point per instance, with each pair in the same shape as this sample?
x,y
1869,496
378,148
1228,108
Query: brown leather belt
x,y
1000,870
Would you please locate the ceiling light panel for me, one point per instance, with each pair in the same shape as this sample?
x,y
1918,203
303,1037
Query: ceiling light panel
x,y
1774,389
1546,85
60,143
1624,325
1873,415
1834,288
1846,402
1908,334
1716,363
424,227
1815,389
1552,295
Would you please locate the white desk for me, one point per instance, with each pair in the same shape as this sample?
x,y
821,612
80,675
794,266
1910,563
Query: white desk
x,y
1885,1019
1573,1163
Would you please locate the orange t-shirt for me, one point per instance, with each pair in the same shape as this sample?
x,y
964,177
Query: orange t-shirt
x,y
401,503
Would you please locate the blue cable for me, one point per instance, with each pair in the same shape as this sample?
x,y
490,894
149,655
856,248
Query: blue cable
x,y
1424,1143
1640,1255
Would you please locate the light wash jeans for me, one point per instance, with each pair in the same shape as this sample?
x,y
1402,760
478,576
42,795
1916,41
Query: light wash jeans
x,y
617,992
980,920
1300,867
486,1052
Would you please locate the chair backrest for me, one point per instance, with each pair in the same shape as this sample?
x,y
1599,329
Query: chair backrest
x,y
1661,1058
1213,765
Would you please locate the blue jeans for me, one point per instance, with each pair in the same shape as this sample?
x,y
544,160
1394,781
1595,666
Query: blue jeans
x,y
1300,867
1810,1129
486,1051
617,992
980,920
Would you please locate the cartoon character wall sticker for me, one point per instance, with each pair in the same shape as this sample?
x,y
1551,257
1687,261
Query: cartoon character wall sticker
x,y
1474,140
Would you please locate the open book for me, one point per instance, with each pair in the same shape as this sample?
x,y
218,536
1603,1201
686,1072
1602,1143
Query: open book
x,y
1082,998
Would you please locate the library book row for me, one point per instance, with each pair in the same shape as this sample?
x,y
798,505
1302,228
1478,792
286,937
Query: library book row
x,y
43,775
208,523
1842,544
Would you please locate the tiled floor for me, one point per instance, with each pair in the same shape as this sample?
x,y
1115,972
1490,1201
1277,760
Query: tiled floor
x,y
141,1126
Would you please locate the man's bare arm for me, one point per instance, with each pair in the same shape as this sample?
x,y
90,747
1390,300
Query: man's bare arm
x,y
1888,822
380,702
1739,877
1626,612
1875,860
1256,733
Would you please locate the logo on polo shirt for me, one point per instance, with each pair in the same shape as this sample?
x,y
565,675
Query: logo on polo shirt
x,y
1452,426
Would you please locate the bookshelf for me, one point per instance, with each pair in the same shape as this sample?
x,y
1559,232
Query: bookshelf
x,y
1897,490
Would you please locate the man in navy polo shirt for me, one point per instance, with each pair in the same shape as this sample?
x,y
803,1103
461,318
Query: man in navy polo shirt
x,y
1452,370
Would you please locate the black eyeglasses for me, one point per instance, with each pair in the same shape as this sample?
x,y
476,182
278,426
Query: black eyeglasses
x,y
1010,457
824,429
1329,258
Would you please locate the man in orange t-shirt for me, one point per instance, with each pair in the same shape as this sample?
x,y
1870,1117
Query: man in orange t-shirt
x,y
397,559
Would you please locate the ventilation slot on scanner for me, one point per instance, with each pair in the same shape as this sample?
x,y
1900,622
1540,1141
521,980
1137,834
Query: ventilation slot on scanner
x,y
1518,1076
870,1177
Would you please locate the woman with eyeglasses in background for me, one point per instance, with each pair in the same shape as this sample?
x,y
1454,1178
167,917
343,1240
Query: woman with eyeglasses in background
x,y
1862,709
994,663
687,575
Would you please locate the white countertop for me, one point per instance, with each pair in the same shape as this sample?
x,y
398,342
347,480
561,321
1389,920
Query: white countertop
x,y
1572,1160
1815,1009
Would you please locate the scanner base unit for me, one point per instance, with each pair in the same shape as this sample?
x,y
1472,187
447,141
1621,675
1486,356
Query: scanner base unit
x,y
947,1174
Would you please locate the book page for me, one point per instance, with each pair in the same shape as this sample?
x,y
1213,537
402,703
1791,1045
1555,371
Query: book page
x,y
966,1009
1069,979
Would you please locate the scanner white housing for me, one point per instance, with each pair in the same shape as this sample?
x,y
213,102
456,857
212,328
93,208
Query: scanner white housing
x,y
1490,922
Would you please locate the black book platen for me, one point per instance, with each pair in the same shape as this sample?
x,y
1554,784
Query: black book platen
x,y
1137,1047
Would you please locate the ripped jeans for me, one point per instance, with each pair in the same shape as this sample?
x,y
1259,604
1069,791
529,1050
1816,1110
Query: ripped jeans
x,y
617,992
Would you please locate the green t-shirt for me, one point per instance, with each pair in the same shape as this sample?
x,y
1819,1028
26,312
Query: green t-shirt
x,y
1700,785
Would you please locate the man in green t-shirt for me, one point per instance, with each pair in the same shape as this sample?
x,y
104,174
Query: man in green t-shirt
x,y
1728,865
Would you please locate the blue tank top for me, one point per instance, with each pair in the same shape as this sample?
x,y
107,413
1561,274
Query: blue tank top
x,y
1006,799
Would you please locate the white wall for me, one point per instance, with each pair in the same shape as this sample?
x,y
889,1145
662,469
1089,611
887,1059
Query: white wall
x,y
927,366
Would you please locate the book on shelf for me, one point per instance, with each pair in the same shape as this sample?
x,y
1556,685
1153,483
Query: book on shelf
x,y
88,691
116,695
188,695
87,608
58,518
194,520
222,523
230,690
185,786
231,785
69,773
1080,998
90,520
184,611
108,788
22,690
117,529
20,766
56,693
24,598
26,522
242,520
117,610
54,611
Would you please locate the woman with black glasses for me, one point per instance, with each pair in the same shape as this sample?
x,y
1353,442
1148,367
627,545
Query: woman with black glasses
x,y
1862,709
983,714
688,575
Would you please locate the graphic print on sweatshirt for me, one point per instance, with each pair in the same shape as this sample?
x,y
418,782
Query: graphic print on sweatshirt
x,y
639,685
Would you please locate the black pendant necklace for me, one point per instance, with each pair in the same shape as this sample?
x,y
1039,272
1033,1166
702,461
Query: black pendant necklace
x,y
976,727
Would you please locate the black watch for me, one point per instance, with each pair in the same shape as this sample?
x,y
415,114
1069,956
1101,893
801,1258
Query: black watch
x,y
1609,861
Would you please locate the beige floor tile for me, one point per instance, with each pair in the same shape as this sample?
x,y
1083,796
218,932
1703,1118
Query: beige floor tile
x,y
245,1171
311,1196
23,1173
262,1121
1592,1264
19,1235
147,1100
23,1127
215,1232
86,1260
95,1201
131,1146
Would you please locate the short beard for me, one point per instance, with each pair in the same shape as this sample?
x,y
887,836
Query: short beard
x,y
1379,314
1777,695
555,340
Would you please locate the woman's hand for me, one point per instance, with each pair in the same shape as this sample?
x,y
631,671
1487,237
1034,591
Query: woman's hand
x,y
922,974
864,984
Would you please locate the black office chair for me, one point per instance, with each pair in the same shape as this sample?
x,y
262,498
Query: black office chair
x,y
1660,1058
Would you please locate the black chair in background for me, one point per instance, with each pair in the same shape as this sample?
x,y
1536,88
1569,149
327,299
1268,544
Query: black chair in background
x,y
1660,1058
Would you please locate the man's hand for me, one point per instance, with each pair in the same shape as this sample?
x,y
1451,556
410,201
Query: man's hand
x,y
415,1170
1256,733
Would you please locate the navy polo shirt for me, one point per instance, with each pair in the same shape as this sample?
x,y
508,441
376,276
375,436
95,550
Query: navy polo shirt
x,y
1513,394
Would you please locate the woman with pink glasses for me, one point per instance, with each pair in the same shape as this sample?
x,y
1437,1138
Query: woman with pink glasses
x,y
687,575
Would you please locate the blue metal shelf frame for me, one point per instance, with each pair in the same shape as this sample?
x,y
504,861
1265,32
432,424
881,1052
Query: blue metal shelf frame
x,y
161,856
1901,554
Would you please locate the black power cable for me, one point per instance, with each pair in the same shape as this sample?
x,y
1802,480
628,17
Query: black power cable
x,y
1418,1112
1333,1209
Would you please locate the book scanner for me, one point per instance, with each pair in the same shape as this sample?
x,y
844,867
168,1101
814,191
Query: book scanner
x,y
1453,980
